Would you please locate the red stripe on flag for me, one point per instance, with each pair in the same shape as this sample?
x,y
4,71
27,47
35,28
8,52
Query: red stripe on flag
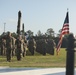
x,y
65,30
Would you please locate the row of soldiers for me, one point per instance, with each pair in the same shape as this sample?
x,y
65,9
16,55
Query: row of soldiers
x,y
11,46
41,46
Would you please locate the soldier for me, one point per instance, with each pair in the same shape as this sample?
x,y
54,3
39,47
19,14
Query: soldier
x,y
3,44
43,46
50,46
13,46
18,44
38,46
31,45
8,46
24,47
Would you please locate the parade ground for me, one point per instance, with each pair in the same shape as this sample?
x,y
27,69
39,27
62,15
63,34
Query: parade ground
x,y
32,71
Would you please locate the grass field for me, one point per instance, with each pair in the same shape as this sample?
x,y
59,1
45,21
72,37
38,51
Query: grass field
x,y
37,60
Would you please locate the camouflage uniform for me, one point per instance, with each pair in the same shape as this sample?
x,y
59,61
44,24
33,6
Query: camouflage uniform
x,y
18,44
41,46
31,46
3,44
8,46
24,47
50,46
13,46
38,46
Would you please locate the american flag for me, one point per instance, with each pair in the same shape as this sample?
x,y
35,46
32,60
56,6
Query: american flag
x,y
65,30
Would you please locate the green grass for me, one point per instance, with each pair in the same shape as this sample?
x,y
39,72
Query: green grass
x,y
37,60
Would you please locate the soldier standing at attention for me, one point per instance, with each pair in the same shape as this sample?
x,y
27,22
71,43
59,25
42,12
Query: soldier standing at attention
x,y
8,46
3,44
18,44
24,47
31,45
13,46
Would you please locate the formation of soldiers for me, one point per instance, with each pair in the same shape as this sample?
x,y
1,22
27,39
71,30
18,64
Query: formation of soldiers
x,y
10,46
41,46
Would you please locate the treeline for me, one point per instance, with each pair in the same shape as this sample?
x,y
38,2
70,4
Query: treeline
x,y
49,34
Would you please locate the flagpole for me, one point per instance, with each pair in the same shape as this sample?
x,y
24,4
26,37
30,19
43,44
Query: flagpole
x,y
70,57
4,27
